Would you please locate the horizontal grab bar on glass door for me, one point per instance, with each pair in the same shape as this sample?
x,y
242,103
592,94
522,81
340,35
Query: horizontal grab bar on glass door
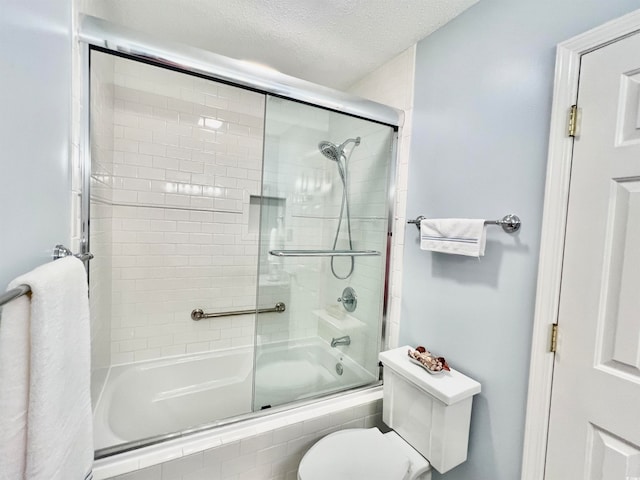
x,y
324,253
198,314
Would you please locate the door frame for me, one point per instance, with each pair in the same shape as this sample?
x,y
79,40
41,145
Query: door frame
x,y
556,199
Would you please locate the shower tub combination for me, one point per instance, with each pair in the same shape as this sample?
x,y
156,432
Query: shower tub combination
x,y
211,189
157,397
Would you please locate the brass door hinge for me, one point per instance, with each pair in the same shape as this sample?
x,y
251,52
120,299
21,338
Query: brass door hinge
x,y
572,124
554,338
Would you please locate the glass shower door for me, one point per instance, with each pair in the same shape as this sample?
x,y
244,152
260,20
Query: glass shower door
x,y
323,248
175,168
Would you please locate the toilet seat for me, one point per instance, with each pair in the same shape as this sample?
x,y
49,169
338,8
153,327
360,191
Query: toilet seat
x,y
353,454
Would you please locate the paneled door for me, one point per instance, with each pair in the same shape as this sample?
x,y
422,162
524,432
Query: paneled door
x,y
594,430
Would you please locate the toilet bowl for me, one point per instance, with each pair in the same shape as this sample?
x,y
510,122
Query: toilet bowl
x,y
429,416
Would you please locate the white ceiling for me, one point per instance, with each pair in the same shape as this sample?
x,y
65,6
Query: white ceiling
x,y
330,42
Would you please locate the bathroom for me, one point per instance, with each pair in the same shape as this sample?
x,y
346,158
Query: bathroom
x,y
477,147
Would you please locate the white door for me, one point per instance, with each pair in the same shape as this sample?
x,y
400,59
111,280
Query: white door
x,y
594,430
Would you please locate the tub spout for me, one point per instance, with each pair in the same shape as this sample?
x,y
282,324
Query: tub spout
x,y
346,340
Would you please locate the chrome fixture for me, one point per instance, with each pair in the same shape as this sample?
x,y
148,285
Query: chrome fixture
x,y
324,253
60,251
349,299
198,313
14,293
339,368
336,153
510,223
346,340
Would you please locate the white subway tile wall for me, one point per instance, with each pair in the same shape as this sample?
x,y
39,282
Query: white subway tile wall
x,y
177,162
271,455
187,157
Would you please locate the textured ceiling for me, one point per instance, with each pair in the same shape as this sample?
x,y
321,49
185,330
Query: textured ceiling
x,y
330,42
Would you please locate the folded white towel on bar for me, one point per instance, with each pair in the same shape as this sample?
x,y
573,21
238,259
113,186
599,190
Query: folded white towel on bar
x,y
45,400
458,236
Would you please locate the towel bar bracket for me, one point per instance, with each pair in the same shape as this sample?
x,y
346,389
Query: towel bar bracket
x,y
417,221
60,251
510,223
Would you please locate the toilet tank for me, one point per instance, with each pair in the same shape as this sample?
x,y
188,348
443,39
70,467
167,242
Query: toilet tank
x,y
430,412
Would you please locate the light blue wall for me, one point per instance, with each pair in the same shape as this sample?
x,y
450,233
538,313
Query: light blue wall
x,y
35,103
481,124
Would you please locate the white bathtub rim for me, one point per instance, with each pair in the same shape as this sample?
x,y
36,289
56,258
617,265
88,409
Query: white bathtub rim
x,y
197,442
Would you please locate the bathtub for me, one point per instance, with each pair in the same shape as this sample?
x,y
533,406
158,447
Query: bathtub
x,y
148,399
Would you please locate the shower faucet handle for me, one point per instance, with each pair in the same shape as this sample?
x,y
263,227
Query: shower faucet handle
x,y
349,299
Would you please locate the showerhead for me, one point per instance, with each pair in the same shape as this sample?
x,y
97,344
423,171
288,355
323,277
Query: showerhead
x,y
335,152
329,150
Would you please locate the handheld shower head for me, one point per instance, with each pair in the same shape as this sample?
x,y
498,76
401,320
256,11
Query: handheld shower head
x,y
335,152
330,150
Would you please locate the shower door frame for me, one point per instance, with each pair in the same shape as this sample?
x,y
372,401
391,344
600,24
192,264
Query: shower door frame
x,y
99,35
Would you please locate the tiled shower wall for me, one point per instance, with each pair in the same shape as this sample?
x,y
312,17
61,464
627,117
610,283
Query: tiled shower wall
x,y
187,156
186,161
164,162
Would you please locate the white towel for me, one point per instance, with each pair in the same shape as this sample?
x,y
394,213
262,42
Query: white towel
x,y
459,236
45,403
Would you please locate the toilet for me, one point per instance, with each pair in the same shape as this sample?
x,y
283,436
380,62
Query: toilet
x,y
429,416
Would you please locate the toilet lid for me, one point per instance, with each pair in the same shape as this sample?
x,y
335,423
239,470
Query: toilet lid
x,y
354,454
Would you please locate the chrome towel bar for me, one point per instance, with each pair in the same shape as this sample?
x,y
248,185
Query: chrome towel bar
x,y
198,314
510,223
59,251
14,293
324,253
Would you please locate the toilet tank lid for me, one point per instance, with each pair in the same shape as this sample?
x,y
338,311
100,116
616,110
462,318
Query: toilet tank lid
x,y
448,387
